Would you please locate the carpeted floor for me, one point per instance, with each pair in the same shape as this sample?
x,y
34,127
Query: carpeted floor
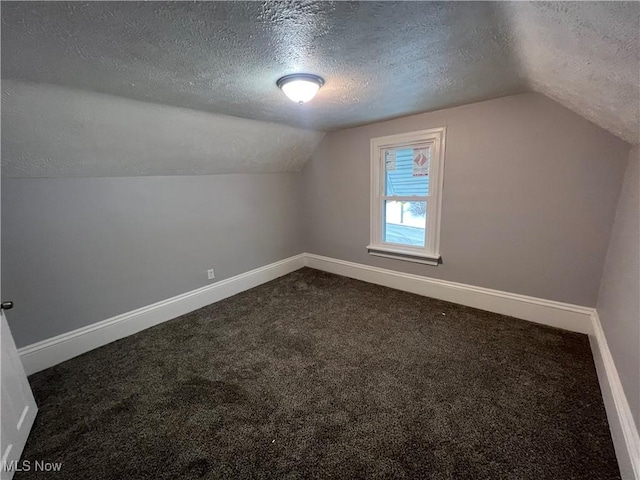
x,y
319,376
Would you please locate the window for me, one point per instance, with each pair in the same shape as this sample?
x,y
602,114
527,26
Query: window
x,y
407,173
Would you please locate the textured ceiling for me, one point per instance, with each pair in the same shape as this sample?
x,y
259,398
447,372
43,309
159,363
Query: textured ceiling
x,y
585,55
51,131
379,59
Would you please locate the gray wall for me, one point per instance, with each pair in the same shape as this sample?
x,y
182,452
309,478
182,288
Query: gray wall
x,y
529,198
79,250
619,300
529,201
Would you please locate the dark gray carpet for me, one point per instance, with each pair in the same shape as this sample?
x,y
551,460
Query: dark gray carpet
x,y
318,376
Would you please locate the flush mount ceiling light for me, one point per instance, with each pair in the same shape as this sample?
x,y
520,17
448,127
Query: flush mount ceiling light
x,y
300,87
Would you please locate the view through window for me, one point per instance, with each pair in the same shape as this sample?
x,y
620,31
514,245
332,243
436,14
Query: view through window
x,y
405,220
406,195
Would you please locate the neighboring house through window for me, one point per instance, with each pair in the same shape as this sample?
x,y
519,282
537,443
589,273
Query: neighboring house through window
x,y
407,173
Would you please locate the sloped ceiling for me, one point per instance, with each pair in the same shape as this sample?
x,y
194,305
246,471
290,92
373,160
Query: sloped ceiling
x,y
584,55
51,131
379,59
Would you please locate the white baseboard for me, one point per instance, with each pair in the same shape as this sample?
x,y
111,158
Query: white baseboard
x,y
562,315
575,318
55,350
547,312
49,352
624,431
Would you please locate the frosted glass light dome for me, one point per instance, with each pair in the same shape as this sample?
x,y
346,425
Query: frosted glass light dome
x,y
300,87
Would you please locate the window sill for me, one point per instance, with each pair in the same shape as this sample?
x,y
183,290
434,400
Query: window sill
x,y
398,254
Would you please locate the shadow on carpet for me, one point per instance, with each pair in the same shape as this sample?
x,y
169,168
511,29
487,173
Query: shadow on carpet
x,y
315,375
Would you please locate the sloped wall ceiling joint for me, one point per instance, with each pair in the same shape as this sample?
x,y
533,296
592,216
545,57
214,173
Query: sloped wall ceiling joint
x,y
380,60
50,131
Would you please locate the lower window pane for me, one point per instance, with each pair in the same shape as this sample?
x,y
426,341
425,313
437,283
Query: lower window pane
x,y
405,222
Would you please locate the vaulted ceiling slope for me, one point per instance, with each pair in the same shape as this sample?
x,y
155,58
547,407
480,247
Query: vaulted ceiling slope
x,y
584,55
52,131
380,59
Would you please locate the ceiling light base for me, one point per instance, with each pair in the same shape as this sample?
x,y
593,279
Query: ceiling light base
x,y
300,87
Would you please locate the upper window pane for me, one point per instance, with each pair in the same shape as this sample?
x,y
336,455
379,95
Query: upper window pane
x,y
407,171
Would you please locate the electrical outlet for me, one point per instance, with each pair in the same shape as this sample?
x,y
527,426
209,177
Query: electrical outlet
x,y
210,274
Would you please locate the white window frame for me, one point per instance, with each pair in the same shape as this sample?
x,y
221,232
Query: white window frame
x,y
430,253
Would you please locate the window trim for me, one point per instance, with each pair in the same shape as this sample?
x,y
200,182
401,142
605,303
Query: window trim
x,y
430,253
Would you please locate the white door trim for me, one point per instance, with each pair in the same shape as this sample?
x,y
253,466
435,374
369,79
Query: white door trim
x,y
17,404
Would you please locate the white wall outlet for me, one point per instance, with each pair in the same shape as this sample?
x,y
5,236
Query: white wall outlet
x,y
210,274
